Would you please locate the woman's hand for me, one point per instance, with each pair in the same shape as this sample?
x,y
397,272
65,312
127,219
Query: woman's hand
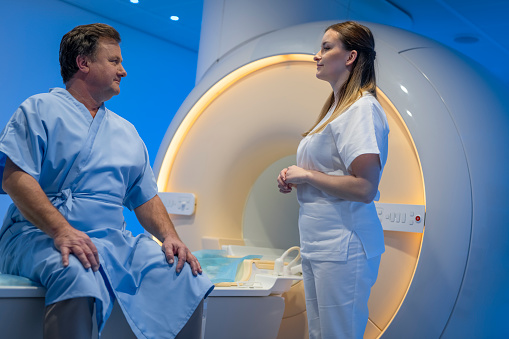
x,y
296,175
281,182
289,177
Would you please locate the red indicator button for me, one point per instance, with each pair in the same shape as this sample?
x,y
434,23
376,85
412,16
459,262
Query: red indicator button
x,y
418,218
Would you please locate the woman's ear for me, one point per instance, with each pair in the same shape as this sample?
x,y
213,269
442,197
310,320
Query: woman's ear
x,y
351,57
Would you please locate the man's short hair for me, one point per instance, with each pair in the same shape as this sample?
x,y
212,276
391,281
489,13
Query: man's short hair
x,y
82,40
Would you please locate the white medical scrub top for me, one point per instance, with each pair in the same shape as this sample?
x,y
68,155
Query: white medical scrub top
x,y
326,222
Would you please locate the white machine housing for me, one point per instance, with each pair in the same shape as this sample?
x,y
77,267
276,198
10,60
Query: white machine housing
x,y
457,118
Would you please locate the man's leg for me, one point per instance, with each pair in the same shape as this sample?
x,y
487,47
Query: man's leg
x,y
192,330
71,318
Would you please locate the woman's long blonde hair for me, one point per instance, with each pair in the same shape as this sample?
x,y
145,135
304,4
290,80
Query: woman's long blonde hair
x,y
354,36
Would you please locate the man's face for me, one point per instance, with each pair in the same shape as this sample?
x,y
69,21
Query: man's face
x,y
106,70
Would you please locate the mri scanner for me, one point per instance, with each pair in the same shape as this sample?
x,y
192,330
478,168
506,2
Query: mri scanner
x,y
442,193
443,217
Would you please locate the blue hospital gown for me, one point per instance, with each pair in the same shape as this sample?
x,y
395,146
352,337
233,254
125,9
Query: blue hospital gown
x,y
90,168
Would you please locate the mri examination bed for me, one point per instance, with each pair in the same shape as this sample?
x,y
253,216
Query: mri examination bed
x,y
445,262
242,123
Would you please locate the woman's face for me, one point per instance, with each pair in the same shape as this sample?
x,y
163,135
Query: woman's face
x,y
333,61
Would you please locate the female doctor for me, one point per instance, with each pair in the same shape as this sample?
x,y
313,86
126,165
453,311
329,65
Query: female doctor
x,y
339,164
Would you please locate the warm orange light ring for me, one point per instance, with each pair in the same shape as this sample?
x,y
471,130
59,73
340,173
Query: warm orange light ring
x,y
209,96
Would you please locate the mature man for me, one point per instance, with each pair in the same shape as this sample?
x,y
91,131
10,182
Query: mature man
x,y
70,165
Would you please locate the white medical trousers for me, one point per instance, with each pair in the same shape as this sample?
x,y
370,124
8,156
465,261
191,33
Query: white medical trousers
x,y
337,293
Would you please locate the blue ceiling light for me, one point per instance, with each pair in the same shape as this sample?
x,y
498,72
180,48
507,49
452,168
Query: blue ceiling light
x,y
174,18
134,1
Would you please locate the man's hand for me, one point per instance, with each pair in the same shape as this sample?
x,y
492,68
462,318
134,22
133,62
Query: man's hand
x,y
173,246
70,240
155,219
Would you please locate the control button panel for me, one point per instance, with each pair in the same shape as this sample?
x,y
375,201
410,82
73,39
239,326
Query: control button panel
x,y
178,203
401,217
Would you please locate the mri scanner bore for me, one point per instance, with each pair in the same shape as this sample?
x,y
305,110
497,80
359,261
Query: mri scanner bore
x,y
267,219
242,124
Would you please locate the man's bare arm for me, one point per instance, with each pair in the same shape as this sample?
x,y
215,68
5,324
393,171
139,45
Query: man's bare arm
x,y
155,219
35,206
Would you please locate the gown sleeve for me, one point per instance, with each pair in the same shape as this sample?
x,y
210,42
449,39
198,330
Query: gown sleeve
x,y
359,131
144,187
24,140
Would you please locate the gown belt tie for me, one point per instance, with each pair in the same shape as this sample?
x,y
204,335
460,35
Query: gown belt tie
x,y
65,199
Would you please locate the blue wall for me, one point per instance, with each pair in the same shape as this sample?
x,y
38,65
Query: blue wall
x,y
159,74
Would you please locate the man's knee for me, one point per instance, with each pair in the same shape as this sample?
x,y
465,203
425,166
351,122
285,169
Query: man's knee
x,y
74,276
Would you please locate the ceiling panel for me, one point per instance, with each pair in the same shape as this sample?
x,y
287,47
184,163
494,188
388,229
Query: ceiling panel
x,y
441,20
489,17
485,21
153,17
